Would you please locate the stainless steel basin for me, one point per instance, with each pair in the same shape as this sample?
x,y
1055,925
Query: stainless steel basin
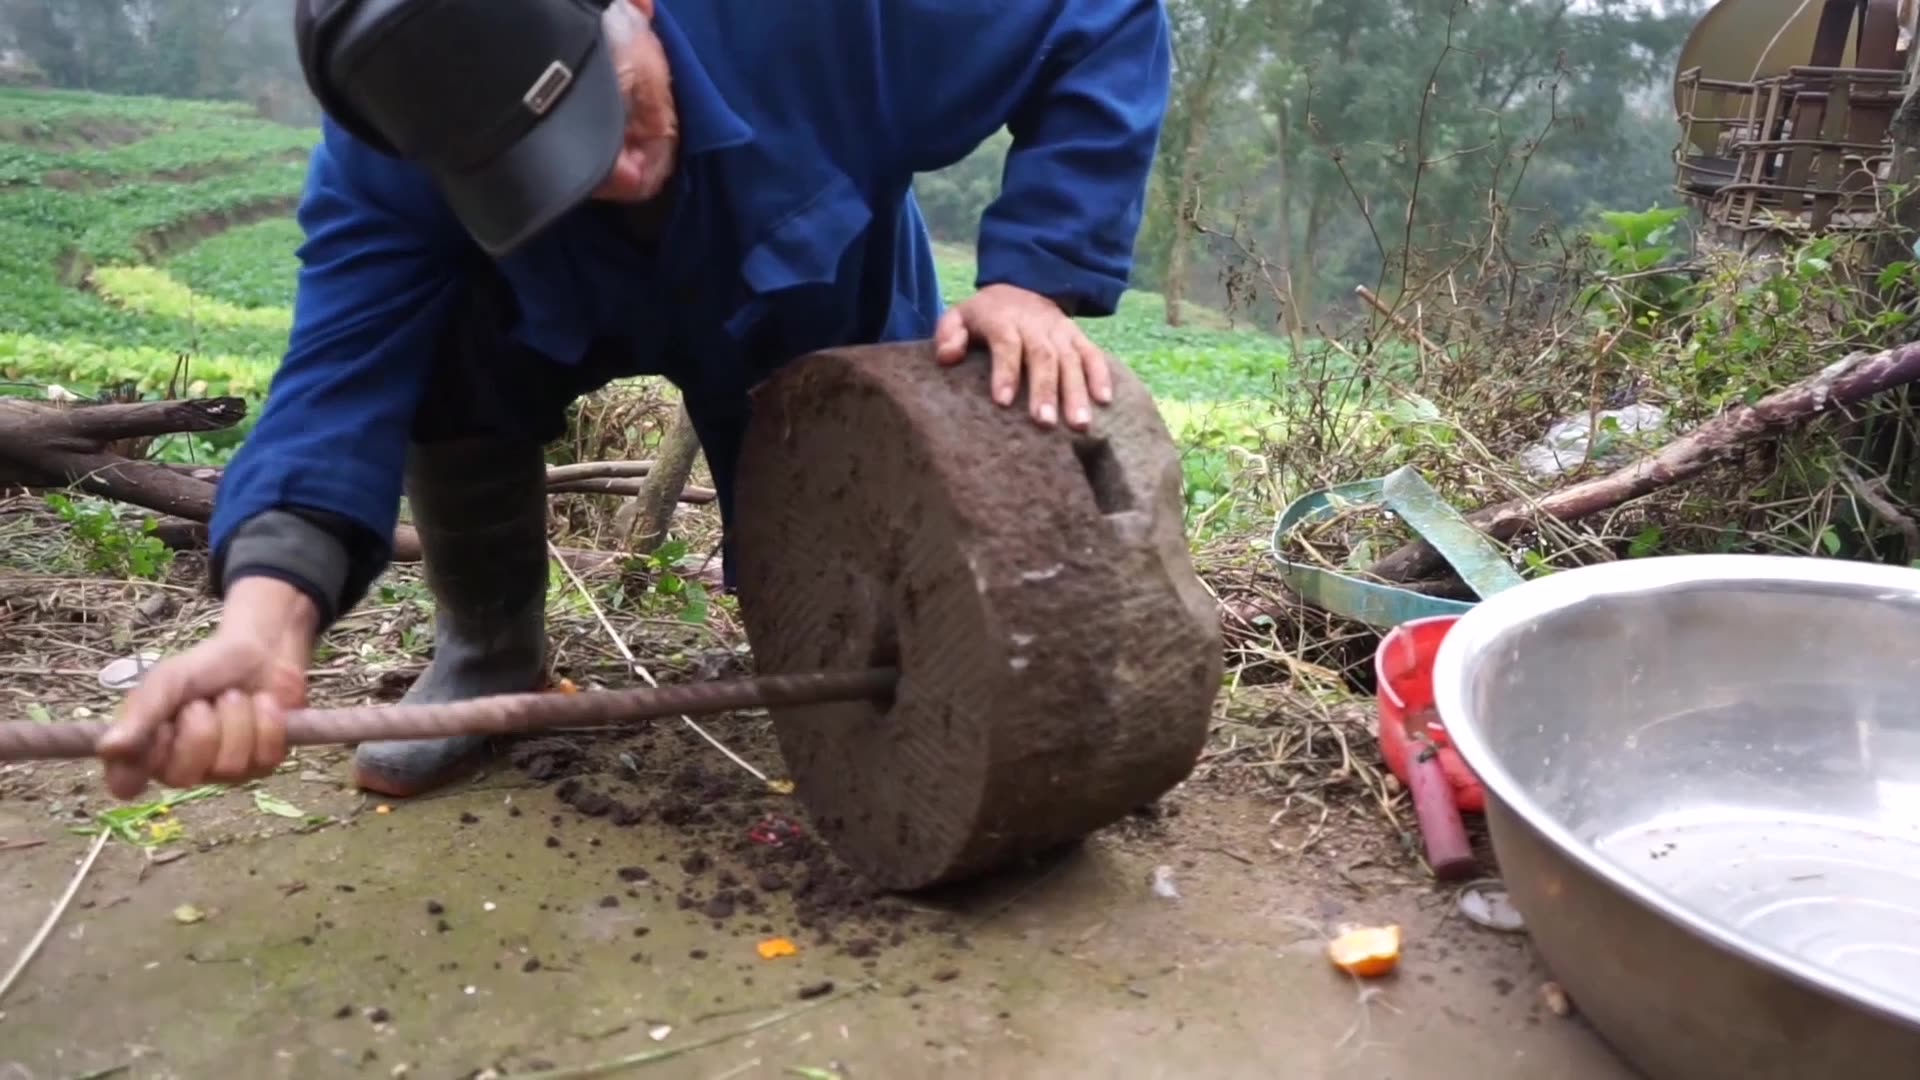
x,y
1703,779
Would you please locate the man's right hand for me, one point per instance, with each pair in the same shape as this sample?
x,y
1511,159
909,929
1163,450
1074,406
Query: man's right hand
x,y
217,712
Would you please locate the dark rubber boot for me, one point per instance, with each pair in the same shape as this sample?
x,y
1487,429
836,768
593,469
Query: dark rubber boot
x,y
481,510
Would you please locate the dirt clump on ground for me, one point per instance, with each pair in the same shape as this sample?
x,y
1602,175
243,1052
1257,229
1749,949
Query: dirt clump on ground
x,y
743,858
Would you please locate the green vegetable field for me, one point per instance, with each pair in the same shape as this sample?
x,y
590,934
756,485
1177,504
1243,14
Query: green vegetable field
x,y
151,240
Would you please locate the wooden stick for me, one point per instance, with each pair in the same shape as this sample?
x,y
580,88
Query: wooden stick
x,y
627,488
557,475
53,917
596,470
181,534
146,484
188,499
60,446
108,423
1397,319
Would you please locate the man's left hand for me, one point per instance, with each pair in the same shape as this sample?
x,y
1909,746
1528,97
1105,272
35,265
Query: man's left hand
x,y
1028,332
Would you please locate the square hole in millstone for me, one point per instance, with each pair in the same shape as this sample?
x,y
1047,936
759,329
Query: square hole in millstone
x,y
1105,477
884,652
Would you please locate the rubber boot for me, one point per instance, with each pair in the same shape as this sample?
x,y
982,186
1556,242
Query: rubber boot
x,y
480,507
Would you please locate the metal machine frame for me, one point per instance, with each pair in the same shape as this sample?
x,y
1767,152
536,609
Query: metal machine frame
x,y
1804,150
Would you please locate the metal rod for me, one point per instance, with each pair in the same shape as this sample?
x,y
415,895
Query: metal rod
x,y
505,714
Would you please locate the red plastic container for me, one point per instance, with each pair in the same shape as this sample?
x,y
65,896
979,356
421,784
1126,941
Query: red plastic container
x,y
1403,666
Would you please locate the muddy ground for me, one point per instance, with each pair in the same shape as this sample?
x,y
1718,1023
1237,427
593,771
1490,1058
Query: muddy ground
x,y
499,930
593,898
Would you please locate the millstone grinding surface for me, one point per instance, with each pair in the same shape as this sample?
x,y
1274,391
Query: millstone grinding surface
x,y
1059,657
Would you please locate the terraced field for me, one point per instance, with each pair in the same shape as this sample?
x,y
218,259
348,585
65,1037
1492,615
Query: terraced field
x,y
150,241
97,195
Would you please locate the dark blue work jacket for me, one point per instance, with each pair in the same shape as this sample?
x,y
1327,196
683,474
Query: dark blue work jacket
x,y
793,226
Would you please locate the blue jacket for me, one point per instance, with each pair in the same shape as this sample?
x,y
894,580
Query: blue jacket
x,y
802,126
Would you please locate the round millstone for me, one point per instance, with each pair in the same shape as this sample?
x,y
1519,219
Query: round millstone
x,y
1059,657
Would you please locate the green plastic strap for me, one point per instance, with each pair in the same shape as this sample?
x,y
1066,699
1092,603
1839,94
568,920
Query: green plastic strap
x,y
1478,562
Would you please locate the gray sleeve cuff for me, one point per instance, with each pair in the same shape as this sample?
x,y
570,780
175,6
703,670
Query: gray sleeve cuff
x,y
283,545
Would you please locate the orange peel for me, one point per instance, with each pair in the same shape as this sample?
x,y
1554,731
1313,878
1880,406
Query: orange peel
x,y
1366,951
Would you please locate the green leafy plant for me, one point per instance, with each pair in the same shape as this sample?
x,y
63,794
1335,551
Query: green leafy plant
x,y
654,583
1634,246
84,220
107,543
149,824
249,266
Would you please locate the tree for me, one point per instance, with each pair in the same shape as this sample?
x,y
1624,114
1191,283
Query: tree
x,y
953,199
1213,44
1362,134
176,48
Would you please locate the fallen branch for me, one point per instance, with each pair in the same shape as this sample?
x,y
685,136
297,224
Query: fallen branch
x,y
628,488
90,425
1848,382
74,446
596,470
587,478
187,504
60,445
181,534
110,476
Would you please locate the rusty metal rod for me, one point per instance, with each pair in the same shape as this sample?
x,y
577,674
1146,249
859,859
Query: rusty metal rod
x,y
505,714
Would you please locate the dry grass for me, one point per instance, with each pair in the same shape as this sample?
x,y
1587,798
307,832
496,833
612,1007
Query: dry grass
x,y
1287,730
623,422
1474,341
1294,724
59,627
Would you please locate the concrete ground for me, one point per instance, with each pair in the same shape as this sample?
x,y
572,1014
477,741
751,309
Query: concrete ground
x,y
491,932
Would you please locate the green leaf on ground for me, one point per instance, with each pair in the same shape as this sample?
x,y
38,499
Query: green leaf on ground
x,y
125,822
276,806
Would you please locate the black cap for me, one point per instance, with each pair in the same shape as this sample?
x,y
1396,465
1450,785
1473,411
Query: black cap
x,y
512,105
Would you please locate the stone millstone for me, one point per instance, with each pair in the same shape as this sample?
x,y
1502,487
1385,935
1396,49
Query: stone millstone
x,y
1059,657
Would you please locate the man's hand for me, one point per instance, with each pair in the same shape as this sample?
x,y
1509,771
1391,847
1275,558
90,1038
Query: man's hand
x,y
1025,330
217,712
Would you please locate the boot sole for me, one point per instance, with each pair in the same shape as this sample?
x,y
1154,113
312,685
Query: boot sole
x,y
380,782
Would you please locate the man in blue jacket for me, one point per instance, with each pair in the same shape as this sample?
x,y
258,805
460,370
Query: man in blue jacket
x,y
517,201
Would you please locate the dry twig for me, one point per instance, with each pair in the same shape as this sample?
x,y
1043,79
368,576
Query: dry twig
x,y
53,917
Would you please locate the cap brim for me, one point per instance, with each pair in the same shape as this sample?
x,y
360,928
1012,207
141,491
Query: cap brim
x,y
551,170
